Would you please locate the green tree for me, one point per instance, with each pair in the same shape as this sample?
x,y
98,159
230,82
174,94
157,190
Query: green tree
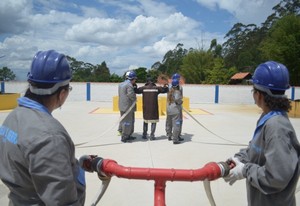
x,y
172,60
196,65
101,73
215,48
141,74
153,73
283,45
6,74
81,71
219,74
115,78
241,48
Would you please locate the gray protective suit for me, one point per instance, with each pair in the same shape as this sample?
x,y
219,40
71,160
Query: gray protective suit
x,y
174,117
127,97
37,159
272,163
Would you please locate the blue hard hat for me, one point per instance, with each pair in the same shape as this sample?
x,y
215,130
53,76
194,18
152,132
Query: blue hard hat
x,y
175,82
271,75
49,67
131,75
176,76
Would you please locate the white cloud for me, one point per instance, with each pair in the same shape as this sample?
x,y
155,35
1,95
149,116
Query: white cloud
x,y
246,12
14,15
124,34
119,32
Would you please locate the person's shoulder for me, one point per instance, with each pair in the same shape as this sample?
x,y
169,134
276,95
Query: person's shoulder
x,y
278,122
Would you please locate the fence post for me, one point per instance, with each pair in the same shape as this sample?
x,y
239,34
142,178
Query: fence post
x,y
217,94
2,87
293,93
88,91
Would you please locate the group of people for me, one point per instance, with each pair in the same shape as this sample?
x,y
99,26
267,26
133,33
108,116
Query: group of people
x,y
127,105
37,155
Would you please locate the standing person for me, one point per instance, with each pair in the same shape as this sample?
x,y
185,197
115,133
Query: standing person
x,y
270,163
177,76
127,106
174,110
150,105
120,125
37,155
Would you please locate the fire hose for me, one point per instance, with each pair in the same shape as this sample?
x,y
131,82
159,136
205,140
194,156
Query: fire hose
x,y
209,129
108,168
119,120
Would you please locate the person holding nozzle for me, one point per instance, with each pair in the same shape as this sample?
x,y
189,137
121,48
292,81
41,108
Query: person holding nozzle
x,y
270,163
127,106
150,105
37,155
174,111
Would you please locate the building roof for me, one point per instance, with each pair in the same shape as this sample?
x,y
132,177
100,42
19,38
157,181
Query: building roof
x,y
241,75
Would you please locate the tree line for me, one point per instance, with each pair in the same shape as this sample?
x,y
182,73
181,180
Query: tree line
x,y
245,46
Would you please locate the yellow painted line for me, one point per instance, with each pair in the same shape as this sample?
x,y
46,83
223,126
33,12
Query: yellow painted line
x,y
5,111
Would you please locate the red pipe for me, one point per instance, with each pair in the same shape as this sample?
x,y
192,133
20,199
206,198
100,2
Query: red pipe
x,y
159,193
210,171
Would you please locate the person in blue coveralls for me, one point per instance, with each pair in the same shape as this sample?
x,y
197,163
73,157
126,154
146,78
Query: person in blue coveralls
x,y
37,155
270,163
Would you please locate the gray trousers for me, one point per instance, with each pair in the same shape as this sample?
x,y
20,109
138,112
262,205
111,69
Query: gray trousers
x,y
126,126
145,129
173,126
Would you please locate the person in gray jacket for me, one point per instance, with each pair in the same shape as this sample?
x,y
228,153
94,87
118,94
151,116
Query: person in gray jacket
x,y
270,163
174,110
177,76
37,155
127,106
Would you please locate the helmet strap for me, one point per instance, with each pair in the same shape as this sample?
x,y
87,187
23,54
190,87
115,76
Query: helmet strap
x,y
268,91
48,91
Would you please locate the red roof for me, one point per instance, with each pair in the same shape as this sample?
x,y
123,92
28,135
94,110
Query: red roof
x,y
240,75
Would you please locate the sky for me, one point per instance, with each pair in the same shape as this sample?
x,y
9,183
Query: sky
x,y
126,34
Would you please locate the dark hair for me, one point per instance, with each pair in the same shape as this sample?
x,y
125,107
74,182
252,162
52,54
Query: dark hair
x,y
170,96
276,103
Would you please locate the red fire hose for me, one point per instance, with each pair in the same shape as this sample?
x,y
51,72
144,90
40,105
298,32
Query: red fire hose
x,y
210,171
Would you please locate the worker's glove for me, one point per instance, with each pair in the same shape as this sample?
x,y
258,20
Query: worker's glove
x,y
235,173
90,163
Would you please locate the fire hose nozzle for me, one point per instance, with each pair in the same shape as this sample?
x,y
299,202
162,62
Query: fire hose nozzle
x,y
225,168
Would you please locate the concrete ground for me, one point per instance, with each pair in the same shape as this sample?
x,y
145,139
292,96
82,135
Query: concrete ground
x,y
96,124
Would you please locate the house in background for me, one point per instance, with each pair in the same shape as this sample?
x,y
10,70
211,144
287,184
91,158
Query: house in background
x,y
240,78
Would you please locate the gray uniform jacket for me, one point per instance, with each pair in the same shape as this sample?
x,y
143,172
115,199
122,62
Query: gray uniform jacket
x,y
127,96
176,106
272,163
37,159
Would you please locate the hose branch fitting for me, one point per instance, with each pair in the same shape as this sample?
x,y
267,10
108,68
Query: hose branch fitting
x,y
225,168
